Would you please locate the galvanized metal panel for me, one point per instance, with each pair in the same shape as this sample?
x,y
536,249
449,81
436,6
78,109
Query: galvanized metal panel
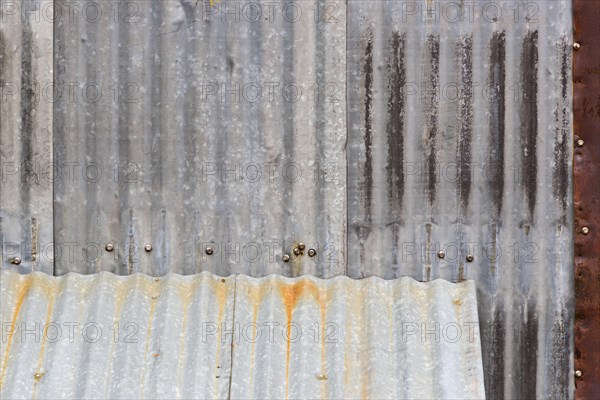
x,y
218,135
459,132
203,336
26,136
459,140
105,336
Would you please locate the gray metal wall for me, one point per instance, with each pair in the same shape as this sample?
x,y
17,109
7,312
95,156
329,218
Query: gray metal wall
x,y
436,126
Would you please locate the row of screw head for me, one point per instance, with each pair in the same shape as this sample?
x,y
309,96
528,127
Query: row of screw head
x,y
111,247
442,254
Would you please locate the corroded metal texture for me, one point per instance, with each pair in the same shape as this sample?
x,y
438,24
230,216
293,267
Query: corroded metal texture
x,y
25,138
459,140
221,126
422,126
204,336
586,107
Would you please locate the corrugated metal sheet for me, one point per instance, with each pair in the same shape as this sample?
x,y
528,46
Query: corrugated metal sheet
x,y
440,126
460,140
204,336
216,137
26,223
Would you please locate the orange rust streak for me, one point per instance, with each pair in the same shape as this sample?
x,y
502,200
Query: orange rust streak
x,y
51,302
220,287
23,291
290,294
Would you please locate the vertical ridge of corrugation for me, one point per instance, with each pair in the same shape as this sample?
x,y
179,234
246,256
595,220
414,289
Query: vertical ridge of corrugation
x,y
26,61
516,221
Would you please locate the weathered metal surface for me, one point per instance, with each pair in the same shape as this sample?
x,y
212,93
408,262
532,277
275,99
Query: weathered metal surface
x,y
586,107
218,125
204,336
456,135
459,139
26,161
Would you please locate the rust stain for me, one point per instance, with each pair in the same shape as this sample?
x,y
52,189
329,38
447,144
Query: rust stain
x,y
22,288
291,295
51,302
586,166
220,289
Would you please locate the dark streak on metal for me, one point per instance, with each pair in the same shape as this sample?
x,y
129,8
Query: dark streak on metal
x,y
35,239
59,144
497,77
561,340
526,337
431,113
465,114
562,115
493,337
368,168
586,109
428,257
529,116
395,126
3,58
27,133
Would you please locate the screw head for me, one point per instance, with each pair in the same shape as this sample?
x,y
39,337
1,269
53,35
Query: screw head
x,y
312,252
110,247
585,230
297,251
209,250
148,247
15,261
301,246
470,258
578,373
580,143
576,46
285,258
441,254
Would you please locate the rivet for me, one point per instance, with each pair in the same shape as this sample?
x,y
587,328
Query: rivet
x,y
154,297
322,377
109,247
297,251
223,280
37,376
578,373
585,230
15,261
312,252
576,46
441,254
209,250
470,258
580,143
217,376
148,247
301,246
156,279
285,258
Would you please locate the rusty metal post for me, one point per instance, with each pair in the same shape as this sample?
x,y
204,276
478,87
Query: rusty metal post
x,y
586,106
